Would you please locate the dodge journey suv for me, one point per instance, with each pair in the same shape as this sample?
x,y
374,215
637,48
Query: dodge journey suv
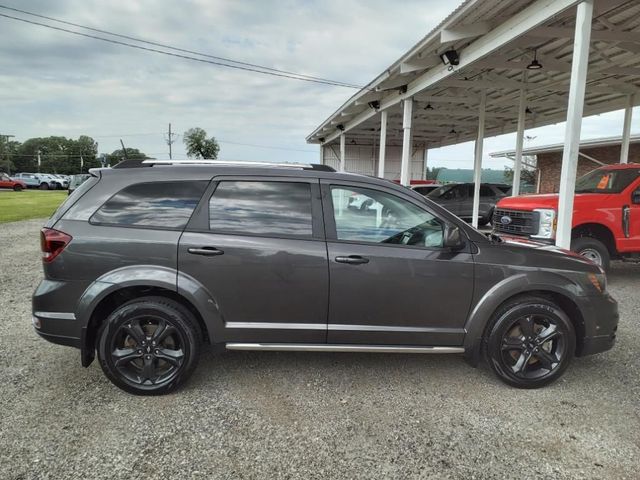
x,y
146,262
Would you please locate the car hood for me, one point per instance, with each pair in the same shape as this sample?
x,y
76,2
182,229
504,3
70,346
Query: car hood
x,y
549,256
531,202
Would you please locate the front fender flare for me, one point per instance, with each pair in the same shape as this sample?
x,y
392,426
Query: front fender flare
x,y
509,287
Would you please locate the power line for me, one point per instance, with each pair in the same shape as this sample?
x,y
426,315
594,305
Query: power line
x,y
186,57
157,44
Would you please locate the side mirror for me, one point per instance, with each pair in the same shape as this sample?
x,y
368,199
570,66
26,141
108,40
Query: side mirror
x,y
453,239
635,197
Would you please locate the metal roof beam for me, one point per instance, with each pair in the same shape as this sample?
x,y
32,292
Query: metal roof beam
x,y
448,35
596,35
532,16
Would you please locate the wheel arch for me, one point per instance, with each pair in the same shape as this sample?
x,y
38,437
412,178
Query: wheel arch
x,y
119,286
599,232
550,286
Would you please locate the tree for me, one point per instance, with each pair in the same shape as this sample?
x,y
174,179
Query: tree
x,y
199,146
8,149
432,173
118,155
527,173
57,154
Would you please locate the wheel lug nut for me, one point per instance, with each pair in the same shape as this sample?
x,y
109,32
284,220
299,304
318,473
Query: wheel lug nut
x,y
157,352
148,357
139,351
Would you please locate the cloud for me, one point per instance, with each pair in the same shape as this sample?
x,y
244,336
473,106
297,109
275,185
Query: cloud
x,y
53,83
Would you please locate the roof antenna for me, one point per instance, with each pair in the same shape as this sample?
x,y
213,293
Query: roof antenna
x,y
124,150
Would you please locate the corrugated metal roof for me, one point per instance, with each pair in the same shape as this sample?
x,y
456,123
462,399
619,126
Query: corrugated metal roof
x,y
558,147
446,112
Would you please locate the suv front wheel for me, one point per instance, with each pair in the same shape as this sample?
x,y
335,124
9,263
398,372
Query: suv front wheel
x,y
531,342
149,346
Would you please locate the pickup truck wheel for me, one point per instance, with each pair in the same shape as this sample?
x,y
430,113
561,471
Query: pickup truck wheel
x,y
593,249
149,346
531,342
44,186
17,188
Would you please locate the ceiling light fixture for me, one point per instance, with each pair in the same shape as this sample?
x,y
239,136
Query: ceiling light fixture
x,y
340,127
528,110
428,107
375,105
453,131
535,64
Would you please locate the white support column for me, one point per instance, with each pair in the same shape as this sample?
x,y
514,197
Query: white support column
x,y
425,157
343,157
405,166
383,143
626,130
477,161
577,87
517,167
321,154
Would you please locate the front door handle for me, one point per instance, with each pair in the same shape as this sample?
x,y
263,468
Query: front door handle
x,y
352,260
206,251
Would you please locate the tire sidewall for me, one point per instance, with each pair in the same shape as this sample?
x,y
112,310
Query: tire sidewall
x,y
174,316
581,243
505,320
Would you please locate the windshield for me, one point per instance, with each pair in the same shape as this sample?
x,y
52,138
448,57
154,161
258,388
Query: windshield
x,y
440,191
606,181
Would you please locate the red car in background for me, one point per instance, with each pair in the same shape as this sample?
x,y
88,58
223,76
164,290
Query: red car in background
x,y
7,182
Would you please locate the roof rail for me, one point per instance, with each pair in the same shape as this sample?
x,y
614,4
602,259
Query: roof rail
x,y
150,162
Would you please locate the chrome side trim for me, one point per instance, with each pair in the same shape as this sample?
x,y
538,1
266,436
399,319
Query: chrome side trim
x,y
339,327
277,326
56,315
303,347
384,328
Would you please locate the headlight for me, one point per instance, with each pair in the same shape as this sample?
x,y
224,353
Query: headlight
x,y
546,223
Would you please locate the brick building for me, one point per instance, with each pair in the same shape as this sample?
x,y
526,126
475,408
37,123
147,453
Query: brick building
x,y
593,153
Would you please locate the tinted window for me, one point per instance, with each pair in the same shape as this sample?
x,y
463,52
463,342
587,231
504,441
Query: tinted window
x,y
486,191
158,204
262,208
367,215
606,181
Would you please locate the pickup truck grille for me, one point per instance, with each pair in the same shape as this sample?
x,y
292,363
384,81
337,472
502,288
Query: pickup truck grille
x,y
522,222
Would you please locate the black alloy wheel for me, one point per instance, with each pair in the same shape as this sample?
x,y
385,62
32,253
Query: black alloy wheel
x,y
149,346
531,342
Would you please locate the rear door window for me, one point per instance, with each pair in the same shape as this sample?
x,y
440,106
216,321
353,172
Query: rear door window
x,y
277,209
165,205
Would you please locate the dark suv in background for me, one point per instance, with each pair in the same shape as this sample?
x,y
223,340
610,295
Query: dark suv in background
x,y
458,199
145,264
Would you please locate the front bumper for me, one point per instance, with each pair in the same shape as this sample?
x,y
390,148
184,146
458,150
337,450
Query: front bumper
x,y
600,324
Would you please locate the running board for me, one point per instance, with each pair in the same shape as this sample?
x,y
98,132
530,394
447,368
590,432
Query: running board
x,y
314,347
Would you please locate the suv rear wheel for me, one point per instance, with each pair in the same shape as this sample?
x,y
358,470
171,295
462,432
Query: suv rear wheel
x,y
149,346
531,342
44,186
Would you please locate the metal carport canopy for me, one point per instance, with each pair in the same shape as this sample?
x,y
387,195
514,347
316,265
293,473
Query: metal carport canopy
x,y
589,52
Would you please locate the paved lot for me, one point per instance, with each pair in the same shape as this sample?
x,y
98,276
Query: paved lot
x,y
297,415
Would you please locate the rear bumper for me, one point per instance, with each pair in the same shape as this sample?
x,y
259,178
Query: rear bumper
x,y
53,317
601,324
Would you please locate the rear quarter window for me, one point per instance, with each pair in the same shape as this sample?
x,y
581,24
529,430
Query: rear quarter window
x,y
166,205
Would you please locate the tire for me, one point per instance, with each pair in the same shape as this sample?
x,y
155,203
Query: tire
x,y
17,188
44,186
129,356
593,249
515,346
486,220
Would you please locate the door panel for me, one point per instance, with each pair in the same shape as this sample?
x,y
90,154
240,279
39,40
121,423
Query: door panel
x,y
408,290
257,245
266,289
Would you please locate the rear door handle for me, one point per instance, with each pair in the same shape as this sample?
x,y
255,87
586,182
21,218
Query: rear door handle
x,y
352,260
206,251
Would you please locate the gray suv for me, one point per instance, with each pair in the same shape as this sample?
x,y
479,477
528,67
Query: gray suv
x,y
146,262
458,199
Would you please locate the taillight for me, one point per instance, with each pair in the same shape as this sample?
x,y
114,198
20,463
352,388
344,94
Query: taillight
x,y
52,243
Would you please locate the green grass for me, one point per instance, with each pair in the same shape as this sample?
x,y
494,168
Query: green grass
x,y
27,204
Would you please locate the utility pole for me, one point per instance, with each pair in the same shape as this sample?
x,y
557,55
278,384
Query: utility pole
x,y
39,160
170,140
2,139
124,150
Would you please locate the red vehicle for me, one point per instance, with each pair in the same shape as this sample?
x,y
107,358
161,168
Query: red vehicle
x,y
606,215
7,182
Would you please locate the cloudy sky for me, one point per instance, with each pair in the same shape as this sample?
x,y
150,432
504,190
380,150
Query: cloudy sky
x,y
55,83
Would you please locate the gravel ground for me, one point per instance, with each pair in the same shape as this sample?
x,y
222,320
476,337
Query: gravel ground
x,y
309,415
